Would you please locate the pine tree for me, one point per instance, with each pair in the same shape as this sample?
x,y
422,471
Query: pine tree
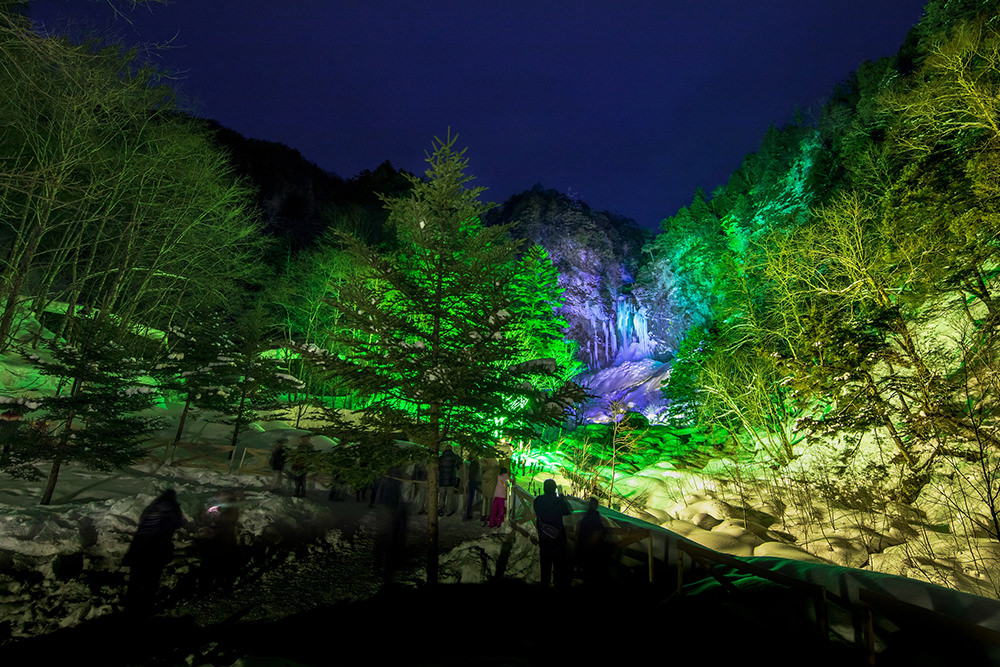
x,y
538,299
197,369
431,343
254,375
94,417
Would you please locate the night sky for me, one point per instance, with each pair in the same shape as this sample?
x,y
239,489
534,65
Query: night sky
x,y
629,104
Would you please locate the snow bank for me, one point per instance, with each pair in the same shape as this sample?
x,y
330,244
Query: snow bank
x,y
61,564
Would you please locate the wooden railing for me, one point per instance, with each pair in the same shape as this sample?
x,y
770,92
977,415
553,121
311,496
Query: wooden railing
x,y
905,614
707,558
901,613
715,564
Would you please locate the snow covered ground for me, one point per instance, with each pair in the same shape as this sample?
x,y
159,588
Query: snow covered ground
x,y
66,558
61,565
636,383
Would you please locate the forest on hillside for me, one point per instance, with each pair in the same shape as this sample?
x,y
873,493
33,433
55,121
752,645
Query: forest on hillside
x,y
841,285
838,289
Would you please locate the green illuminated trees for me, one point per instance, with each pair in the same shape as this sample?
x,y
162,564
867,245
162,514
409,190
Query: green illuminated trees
x,y
625,432
686,258
725,374
850,262
94,416
109,200
430,339
535,320
301,301
197,368
910,238
255,377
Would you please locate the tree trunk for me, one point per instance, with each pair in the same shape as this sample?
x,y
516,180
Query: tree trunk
x,y
909,487
432,517
180,429
50,485
239,417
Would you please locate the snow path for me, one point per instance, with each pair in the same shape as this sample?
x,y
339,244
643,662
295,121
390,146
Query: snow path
x,y
348,570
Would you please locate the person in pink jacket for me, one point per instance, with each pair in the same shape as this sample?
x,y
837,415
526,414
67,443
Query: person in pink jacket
x,y
499,511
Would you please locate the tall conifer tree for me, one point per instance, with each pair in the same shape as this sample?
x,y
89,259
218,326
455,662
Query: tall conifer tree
x,y
431,343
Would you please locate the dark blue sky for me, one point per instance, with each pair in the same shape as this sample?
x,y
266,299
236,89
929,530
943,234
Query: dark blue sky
x,y
630,104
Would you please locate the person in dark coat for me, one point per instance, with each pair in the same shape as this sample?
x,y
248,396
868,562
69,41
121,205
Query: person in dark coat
x,y
550,508
419,487
447,479
151,549
473,487
390,546
299,471
278,457
490,471
219,545
593,550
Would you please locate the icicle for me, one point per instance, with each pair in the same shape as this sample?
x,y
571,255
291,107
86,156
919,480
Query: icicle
x,y
642,332
609,340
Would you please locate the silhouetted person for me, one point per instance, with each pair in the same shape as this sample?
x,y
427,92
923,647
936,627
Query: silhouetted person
x,y
593,550
10,424
361,490
151,549
550,508
490,471
219,546
392,551
419,487
278,456
447,478
473,486
299,472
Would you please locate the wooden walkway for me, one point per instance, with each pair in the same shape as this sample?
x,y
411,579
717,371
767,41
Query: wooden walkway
x,y
657,551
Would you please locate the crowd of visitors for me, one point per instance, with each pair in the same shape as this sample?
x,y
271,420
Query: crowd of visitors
x,y
481,484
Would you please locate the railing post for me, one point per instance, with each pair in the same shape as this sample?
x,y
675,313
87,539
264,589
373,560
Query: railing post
x,y
822,614
680,570
868,634
649,553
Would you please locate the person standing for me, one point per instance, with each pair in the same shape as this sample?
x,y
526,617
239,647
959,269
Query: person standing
x,y
499,510
490,472
419,486
219,545
550,508
390,545
277,461
151,549
447,479
593,550
299,471
473,487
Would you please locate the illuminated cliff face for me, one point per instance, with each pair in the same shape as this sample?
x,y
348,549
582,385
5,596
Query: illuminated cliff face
x,y
598,257
616,339
610,326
